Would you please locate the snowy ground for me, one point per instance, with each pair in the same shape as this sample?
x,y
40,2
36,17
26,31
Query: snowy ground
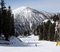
x,y
30,41
30,49
28,44
34,41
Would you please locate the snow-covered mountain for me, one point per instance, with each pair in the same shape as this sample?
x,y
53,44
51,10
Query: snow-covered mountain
x,y
27,18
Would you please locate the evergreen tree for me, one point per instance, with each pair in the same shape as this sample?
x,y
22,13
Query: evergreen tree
x,y
47,31
0,21
41,32
11,22
6,21
2,4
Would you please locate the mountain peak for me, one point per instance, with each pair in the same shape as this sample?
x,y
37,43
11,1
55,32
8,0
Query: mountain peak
x,y
24,8
27,18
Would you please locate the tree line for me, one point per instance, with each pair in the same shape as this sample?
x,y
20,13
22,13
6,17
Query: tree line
x,y
46,30
6,21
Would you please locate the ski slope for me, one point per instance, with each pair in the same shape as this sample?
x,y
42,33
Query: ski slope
x,y
34,41
28,44
29,41
30,49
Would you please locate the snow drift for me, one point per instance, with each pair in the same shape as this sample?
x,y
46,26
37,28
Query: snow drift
x,y
29,41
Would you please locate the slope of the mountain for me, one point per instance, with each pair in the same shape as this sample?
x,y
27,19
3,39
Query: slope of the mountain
x,y
27,18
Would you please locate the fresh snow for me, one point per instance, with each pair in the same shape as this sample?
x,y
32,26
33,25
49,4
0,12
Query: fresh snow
x,y
29,38
28,44
18,9
30,49
30,41
16,42
47,20
34,41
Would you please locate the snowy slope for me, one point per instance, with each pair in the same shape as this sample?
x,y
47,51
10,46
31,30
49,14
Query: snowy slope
x,y
29,38
13,42
29,41
33,45
34,41
27,18
45,46
30,49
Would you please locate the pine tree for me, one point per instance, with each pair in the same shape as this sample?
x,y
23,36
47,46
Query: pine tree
x,y
41,32
11,22
7,21
0,21
2,4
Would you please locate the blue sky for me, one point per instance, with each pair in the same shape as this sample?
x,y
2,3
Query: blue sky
x,y
46,5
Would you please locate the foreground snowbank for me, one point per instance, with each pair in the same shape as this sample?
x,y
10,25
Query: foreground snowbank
x,y
16,42
29,38
34,40
30,41
30,49
28,46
